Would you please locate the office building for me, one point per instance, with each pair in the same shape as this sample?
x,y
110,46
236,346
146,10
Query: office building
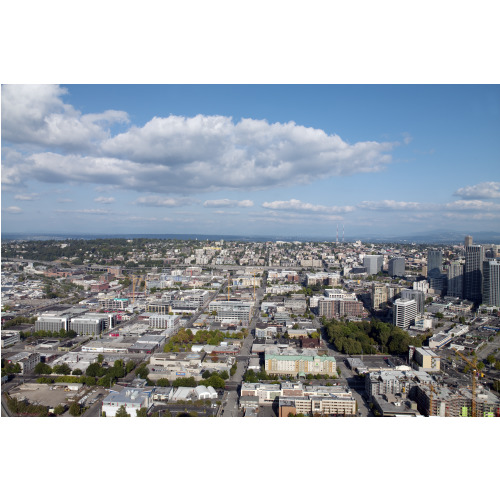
x,y
92,324
397,266
51,322
232,310
379,295
491,283
373,263
164,321
404,312
456,280
434,263
417,295
468,241
473,272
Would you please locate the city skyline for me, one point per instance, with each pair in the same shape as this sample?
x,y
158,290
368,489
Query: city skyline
x,y
250,159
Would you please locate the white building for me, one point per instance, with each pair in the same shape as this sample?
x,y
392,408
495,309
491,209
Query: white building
x,y
404,312
131,399
164,321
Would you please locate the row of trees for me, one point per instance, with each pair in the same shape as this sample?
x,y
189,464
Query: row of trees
x,y
184,338
61,334
369,337
26,409
95,374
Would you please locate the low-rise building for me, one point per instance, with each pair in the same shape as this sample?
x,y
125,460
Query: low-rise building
x,y
130,398
26,360
10,338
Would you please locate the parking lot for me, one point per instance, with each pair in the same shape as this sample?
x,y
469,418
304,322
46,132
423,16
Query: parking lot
x,y
47,395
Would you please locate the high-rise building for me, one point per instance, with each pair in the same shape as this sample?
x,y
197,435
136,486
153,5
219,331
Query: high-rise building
x,y
417,295
373,263
456,280
397,266
434,262
468,241
378,295
491,283
473,272
404,312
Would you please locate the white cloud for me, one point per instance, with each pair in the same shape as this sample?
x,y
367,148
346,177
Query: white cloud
x,y
472,205
88,211
173,154
396,205
13,210
158,201
299,206
26,197
104,200
228,203
64,200
37,115
479,191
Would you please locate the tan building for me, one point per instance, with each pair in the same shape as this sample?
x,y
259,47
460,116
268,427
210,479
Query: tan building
x,y
427,359
298,362
378,295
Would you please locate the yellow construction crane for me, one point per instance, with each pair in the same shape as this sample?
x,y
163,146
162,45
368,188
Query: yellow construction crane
x,y
475,370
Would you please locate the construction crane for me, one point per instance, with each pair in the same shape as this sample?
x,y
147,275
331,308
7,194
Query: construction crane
x,y
475,370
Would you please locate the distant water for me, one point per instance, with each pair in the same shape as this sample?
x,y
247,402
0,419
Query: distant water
x,y
436,237
211,237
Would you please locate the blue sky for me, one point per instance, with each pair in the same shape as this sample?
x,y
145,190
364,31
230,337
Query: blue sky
x,y
276,160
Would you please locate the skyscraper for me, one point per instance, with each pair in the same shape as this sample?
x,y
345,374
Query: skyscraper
x,y
404,312
491,283
417,295
397,266
434,262
473,273
456,280
468,241
373,263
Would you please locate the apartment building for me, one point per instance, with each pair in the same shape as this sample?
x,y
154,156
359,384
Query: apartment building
x,y
298,362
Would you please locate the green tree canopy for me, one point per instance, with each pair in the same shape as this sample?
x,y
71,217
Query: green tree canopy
x,y
122,412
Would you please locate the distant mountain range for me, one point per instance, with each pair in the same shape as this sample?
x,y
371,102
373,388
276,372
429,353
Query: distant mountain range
x,y
441,237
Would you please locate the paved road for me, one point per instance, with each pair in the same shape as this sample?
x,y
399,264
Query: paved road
x,y
230,400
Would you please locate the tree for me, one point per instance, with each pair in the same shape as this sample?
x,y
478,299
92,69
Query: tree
x,y
143,412
491,359
42,369
206,374
163,382
95,370
75,410
77,371
224,375
122,412
497,365
142,371
129,366
63,369
100,359
59,410
439,315
480,366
